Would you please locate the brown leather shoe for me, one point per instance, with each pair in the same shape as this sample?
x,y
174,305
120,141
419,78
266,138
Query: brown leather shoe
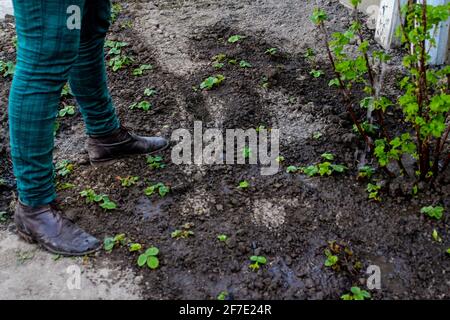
x,y
121,143
55,233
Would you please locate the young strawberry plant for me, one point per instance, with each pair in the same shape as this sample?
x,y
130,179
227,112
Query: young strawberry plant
x,y
433,212
211,82
102,199
257,262
271,51
143,105
3,216
150,92
183,233
149,258
66,111
7,68
222,237
64,168
111,242
160,187
244,185
155,162
141,69
235,38
425,100
356,294
128,181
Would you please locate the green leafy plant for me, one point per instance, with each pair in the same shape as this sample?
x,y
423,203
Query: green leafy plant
x,y
244,64
3,216
143,105
331,260
356,294
111,242
7,68
425,100
128,181
257,262
366,172
244,184
211,82
271,51
292,169
223,295
65,92
183,233
102,199
433,212
150,92
222,237
160,187
133,247
316,73
309,54
115,47
235,38
155,162
141,69
64,168
149,258
67,111
374,192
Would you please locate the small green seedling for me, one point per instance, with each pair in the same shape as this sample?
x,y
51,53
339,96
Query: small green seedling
x,y
233,62
317,135
218,65
365,172
159,187
448,251
328,156
64,168
235,38
143,105
221,57
244,184
316,73
155,162
246,152
149,258
119,62
102,199
222,237
183,233
211,82
223,295
133,247
66,111
64,186
257,262
374,190
433,212
116,8
279,159
3,216
436,236
244,64
356,294
7,68
150,92
271,51
115,47
128,181
65,92
111,242
140,70
292,169
331,260
309,53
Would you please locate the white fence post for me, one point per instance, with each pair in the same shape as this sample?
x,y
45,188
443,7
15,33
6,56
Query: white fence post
x,y
387,23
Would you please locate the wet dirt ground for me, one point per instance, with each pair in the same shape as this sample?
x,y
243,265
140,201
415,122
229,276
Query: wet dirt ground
x,y
288,218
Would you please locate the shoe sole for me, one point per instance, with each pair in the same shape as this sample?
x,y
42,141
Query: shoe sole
x,y
31,240
114,160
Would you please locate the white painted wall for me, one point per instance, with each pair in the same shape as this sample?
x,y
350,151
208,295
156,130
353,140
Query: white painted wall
x,y
5,8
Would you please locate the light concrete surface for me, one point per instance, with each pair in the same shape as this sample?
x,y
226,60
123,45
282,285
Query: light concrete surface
x,y
6,7
27,272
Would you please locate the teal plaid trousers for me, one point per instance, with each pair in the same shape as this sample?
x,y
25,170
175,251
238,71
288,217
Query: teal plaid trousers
x,y
53,49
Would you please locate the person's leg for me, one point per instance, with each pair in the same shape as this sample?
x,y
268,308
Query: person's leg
x,y
87,77
47,49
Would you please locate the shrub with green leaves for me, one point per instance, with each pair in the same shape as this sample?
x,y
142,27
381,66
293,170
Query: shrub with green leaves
x,y
433,212
149,258
356,294
424,103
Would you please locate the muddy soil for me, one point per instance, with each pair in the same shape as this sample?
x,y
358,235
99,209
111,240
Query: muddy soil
x,y
288,218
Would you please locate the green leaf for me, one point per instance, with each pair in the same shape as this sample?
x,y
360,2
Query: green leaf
x,y
153,251
142,260
135,247
152,262
235,38
328,156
